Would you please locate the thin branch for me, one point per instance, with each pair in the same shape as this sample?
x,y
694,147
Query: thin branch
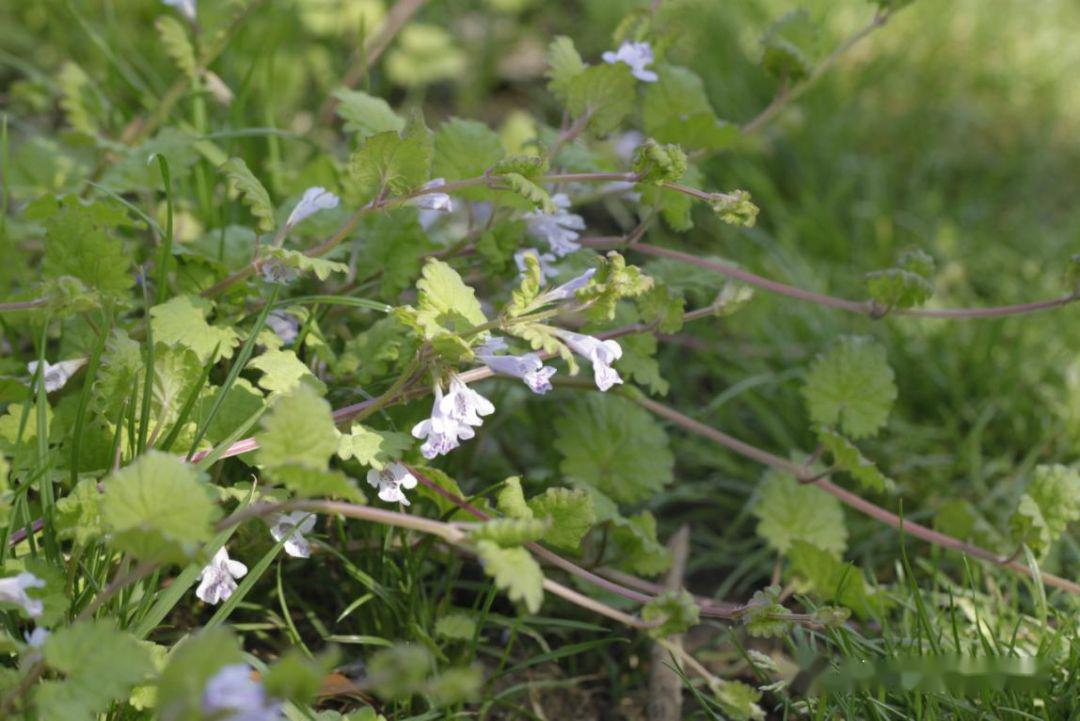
x,y
867,308
785,95
847,497
23,305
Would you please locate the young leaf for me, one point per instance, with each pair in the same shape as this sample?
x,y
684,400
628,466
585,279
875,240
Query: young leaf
x,y
788,512
765,615
511,500
366,114
90,686
571,514
905,286
445,301
606,93
283,372
738,701
508,532
832,579
456,626
158,508
613,445
676,610
389,162
1051,503
514,571
371,447
657,164
295,263
181,321
530,191
244,182
847,457
564,65
177,45
851,386
298,429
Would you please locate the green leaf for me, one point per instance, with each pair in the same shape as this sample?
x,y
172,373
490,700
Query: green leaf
x,y
515,572
530,191
283,372
175,40
293,262
456,685
571,514
639,362
663,308
101,665
158,509
614,281
446,303
81,243
606,93
456,626
373,448
181,321
789,511
738,701
788,46
298,430
735,208
78,514
832,579
765,616
400,670
905,286
615,446
676,109
851,386
635,546
366,114
847,457
508,532
676,610
394,248
308,482
657,164
243,182
389,162
1051,503
511,499
296,677
564,65
465,149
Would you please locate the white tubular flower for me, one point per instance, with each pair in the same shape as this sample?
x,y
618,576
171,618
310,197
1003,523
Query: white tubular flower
x,y
439,202
601,353
567,290
313,200
440,432
637,56
292,527
274,271
186,7
285,326
527,367
13,590
56,376
390,481
232,694
218,578
560,228
465,405
547,270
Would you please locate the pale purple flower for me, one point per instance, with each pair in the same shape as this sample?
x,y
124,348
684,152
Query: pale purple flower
x,y
465,405
441,433
232,694
601,353
13,590
547,270
313,200
292,527
218,578
37,637
637,56
494,344
560,228
285,326
186,7
569,289
439,202
627,144
275,271
56,376
390,481
528,367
